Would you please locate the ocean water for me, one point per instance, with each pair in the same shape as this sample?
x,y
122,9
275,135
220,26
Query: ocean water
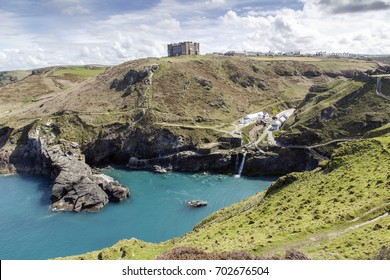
x,y
155,212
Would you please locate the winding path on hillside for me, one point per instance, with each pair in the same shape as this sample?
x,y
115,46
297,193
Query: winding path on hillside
x,y
319,238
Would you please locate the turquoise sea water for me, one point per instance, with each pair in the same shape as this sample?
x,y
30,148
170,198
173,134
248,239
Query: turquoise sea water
x,y
155,212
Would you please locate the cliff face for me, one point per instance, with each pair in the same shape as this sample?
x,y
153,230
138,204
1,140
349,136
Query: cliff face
x,y
76,187
279,161
117,144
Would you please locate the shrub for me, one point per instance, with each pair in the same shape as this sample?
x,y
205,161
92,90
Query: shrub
x,y
384,254
190,253
293,254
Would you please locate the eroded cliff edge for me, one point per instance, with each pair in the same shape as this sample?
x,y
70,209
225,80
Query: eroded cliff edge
x,y
76,186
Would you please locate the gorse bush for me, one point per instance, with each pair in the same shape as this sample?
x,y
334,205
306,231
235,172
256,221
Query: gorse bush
x,y
190,253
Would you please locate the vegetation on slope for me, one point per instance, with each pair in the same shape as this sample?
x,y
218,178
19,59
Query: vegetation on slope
x,y
346,109
78,72
8,77
204,93
337,211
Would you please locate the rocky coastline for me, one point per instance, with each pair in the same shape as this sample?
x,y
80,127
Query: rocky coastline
x,y
276,161
76,187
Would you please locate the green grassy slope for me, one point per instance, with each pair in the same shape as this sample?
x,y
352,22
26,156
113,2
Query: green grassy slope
x,y
220,90
337,211
347,109
8,77
78,72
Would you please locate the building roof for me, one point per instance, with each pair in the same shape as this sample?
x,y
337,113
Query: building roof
x,y
255,115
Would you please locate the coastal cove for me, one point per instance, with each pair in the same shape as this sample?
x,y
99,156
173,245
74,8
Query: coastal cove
x,y
155,212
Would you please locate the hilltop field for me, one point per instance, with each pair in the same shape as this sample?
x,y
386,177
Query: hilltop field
x,y
165,108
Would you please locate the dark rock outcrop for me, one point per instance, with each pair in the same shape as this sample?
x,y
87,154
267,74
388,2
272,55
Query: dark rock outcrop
x,y
133,77
5,133
312,73
327,113
120,142
187,161
204,83
278,161
319,88
76,186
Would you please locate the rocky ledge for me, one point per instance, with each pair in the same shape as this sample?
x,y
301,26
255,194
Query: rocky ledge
x,y
275,161
76,186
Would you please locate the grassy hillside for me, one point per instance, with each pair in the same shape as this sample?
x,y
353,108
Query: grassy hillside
x,y
22,101
342,109
8,77
77,72
206,94
337,211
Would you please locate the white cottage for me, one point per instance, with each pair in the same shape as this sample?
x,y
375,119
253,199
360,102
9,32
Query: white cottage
x,y
253,117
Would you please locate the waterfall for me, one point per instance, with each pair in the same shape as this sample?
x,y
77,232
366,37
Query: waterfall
x,y
241,166
237,163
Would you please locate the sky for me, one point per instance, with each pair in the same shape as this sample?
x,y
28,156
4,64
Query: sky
x,y
39,33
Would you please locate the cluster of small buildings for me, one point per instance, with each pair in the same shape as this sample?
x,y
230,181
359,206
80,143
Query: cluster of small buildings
x,y
339,55
245,53
251,118
278,123
193,48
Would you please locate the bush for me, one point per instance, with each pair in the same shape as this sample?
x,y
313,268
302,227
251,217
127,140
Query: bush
x,y
384,254
189,253
293,254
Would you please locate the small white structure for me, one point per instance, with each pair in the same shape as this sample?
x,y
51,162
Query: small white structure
x,y
282,119
276,125
253,117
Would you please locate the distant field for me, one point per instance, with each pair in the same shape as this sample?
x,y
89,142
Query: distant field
x,y
79,72
12,76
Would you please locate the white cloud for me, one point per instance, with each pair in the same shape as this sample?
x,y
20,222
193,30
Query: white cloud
x,y
349,6
65,1
215,3
70,7
145,33
74,10
307,30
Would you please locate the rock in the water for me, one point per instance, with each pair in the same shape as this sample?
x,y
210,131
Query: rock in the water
x,y
76,188
133,162
115,191
77,194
